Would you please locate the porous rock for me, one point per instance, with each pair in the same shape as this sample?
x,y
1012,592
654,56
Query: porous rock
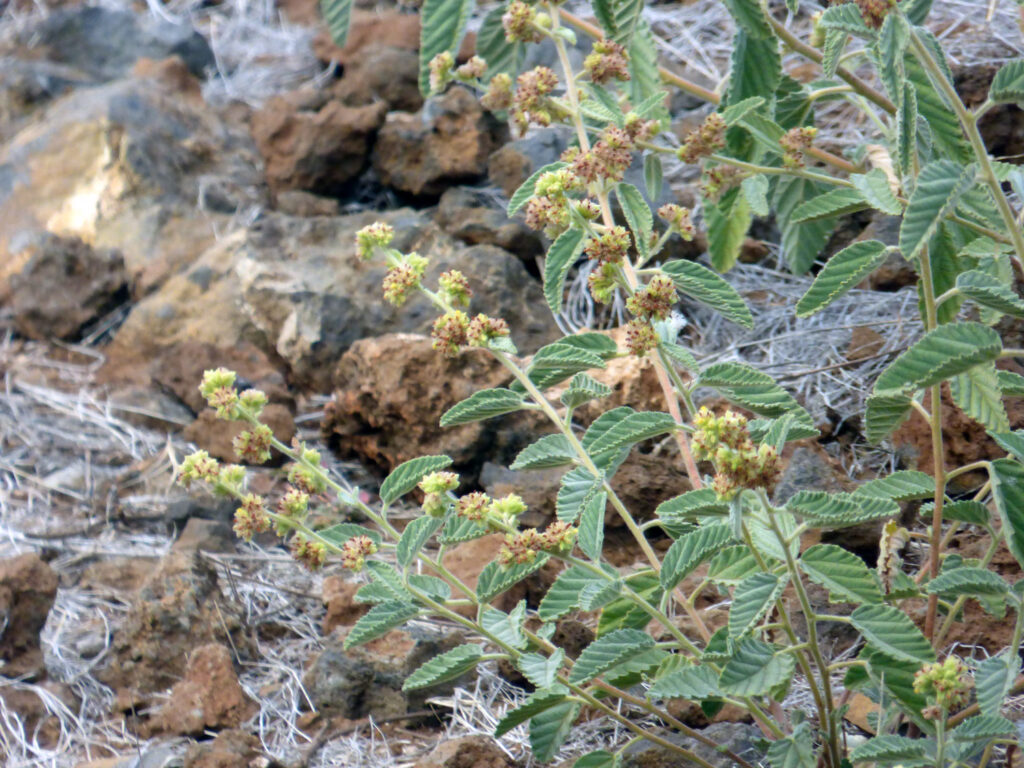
x,y
209,698
28,587
476,751
343,609
388,74
477,217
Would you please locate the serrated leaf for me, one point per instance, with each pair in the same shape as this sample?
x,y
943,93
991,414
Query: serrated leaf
x,y
1011,384
595,596
680,355
537,702
550,728
339,533
843,272
485,404
750,16
645,82
983,727
554,363
582,389
836,202
874,186
591,529
564,594
1011,442
734,113
755,67
848,19
703,285
976,392
654,175
442,24
939,187
839,510
527,189
884,414
794,751
496,578
602,758
638,214
969,582
416,534
689,551
970,512
889,749
936,120
561,256
1007,478
507,627
1008,84
727,223
948,350
458,529
755,669
802,242
407,476
903,485
547,452
732,565
755,190
380,620
634,428
575,491
337,15
751,600
750,388
692,505
890,631
846,577
448,666
605,652
792,425
689,682
434,587
906,128
990,292
835,42
540,670
494,48
993,680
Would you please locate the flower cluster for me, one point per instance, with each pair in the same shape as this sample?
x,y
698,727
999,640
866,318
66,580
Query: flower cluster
x,y
402,279
678,219
641,338
473,506
547,209
738,463
946,684
607,61
704,141
198,467
369,238
521,24
607,160
251,517
654,301
499,93
875,11
310,553
306,475
610,247
483,328
253,445
355,551
436,487
455,288
450,332
794,143
523,547
530,102
718,180
441,67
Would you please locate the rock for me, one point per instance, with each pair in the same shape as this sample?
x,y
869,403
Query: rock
x,y
316,150
1002,126
63,286
477,751
446,143
105,43
476,217
231,748
343,610
739,738
216,436
205,536
28,587
26,86
367,680
179,608
388,74
295,202
122,166
809,468
510,165
371,30
117,574
295,288
384,424
209,697
149,408
201,505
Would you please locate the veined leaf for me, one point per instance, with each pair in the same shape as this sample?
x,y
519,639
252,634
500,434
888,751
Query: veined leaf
x,y
485,404
591,529
792,425
755,669
835,42
750,388
634,428
891,749
582,389
751,600
1008,84
654,175
836,202
969,582
846,577
843,272
407,476
693,504
734,113
495,578
750,16
993,680
557,362
1011,442
624,613
539,701
337,15
906,128
564,594
443,23
607,651
703,285
493,47
949,350
540,670
1007,478
1011,384
339,533
448,666
416,534
507,627
527,189
847,18
939,187
839,510
990,292
727,221
576,490
547,452
689,551
874,186
458,529
732,565
903,485
561,256
638,214
802,242
432,586
755,67
983,727
755,190
380,620
694,682
794,751
890,631
977,394
885,413
970,512
550,728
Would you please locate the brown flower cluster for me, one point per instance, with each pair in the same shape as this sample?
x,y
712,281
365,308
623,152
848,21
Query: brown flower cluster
x,y
450,332
607,160
530,102
726,442
610,247
520,23
678,219
607,61
523,547
704,141
641,338
795,142
251,518
718,180
655,300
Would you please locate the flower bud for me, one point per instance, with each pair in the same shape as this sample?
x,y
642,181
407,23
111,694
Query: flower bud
x,y
499,93
473,506
293,504
508,507
439,482
449,332
253,401
611,247
641,338
678,219
250,517
520,22
483,328
945,683
355,551
198,466
473,69
373,236
607,61
705,140
654,301
311,554
253,446
455,288
229,480
441,71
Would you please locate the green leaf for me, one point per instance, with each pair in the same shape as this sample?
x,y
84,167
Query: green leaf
x,y
634,428
748,387
434,587
993,680
443,23
549,729
496,578
380,620
755,67
680,355
750,16
458,529
734,113
493,47
582,389
751,600
846,577
884,413
689,682
755,190
847,18
564,594
605,652
983,727
839,510
792,425
591,530
977,394
602,758
1007,478
556,362
507,627
654,175
843,272
906,128
970,512
939,187
890,631
1008,84
539,701
732,565
577,489
727,223
689,551
874,186
968,582
835,42
527,189
609,104
407,476
339,533
625,16
703,285
903,485
547,452
990,292
891,749
802,242
416,534
638,214
561,256
836,202
485,404
541,671
692,505
1011,384
1011,442
755,669
938,120
448,666
794,751
645,86
949,350
337,15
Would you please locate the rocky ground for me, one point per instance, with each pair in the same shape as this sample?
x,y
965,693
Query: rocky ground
x,y
179,189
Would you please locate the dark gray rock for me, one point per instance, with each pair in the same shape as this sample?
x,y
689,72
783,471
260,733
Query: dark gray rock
x,y
739,738
477,217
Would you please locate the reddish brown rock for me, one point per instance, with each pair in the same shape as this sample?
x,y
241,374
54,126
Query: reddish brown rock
x,y
369,30
477,751
209,697
314,148
118,574
230,749
28,587
215,435
343,610
388,74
